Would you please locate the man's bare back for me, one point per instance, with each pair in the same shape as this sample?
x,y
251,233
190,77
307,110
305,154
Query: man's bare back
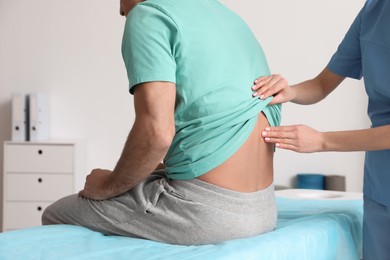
x,y
250,168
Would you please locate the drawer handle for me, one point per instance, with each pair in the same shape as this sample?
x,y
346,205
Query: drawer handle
x,y
40,151
39,208
40,180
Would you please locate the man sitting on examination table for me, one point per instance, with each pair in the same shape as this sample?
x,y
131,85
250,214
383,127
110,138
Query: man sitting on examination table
x,y
190,65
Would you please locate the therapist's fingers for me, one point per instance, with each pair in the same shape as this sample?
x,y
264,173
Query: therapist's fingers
x,y
299,138
261,81
265,82
269,86
279,133
282,137
275,87
278,130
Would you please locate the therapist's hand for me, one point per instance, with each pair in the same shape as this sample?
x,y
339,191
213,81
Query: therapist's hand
x,y
298,138
98,185
273,85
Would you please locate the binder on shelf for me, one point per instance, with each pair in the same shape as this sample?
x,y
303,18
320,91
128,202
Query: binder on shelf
x,y
19,117
39,116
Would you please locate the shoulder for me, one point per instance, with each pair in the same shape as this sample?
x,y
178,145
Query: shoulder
x,y
147,18
148,10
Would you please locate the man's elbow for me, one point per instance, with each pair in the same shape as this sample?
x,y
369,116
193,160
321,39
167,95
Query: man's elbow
x,y
155,134
161,139
165,139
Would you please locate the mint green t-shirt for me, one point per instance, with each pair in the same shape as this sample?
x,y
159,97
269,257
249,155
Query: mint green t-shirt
x,y
213,57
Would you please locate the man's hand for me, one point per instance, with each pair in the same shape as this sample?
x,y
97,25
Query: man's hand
x,y
98,185
273,85
298,138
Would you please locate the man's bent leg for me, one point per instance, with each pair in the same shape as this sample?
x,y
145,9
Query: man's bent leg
x,y
178,212
123,215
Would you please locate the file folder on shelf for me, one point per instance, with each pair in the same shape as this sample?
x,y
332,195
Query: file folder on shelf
x,y
39,116
19,117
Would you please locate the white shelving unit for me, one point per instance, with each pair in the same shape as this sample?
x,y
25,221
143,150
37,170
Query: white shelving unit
x,y
35,175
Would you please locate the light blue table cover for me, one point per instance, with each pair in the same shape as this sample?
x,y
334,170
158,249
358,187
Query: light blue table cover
x,y
306,229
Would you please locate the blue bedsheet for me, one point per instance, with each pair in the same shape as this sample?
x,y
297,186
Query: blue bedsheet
x,y
307,229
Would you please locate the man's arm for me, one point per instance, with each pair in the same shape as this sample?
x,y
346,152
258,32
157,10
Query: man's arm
x,y
301,138
146,145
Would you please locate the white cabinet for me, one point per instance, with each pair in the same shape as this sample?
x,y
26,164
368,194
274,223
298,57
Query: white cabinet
x,y
35,175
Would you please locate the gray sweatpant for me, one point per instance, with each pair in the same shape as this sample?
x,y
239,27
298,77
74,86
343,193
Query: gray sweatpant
x,y
178,212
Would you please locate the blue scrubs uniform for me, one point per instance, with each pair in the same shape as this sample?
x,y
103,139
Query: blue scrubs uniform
x,y
365,52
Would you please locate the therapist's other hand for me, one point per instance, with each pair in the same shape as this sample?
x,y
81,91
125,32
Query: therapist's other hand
x,y
97,185
298,138
273,85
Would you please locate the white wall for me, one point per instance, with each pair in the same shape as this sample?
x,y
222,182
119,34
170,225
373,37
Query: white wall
x,y
71,49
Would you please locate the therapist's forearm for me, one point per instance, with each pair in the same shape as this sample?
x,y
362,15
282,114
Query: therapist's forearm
x,y
316,89
308,92
358,140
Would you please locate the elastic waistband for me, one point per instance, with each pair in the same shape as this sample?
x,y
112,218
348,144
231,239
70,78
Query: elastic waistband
x,y
212,195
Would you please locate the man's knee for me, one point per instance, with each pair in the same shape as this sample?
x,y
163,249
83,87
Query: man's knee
x,y
48,216
57,212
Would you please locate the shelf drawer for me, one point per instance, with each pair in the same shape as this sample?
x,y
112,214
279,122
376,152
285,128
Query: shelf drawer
x,y
39,158
40,187
21,215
